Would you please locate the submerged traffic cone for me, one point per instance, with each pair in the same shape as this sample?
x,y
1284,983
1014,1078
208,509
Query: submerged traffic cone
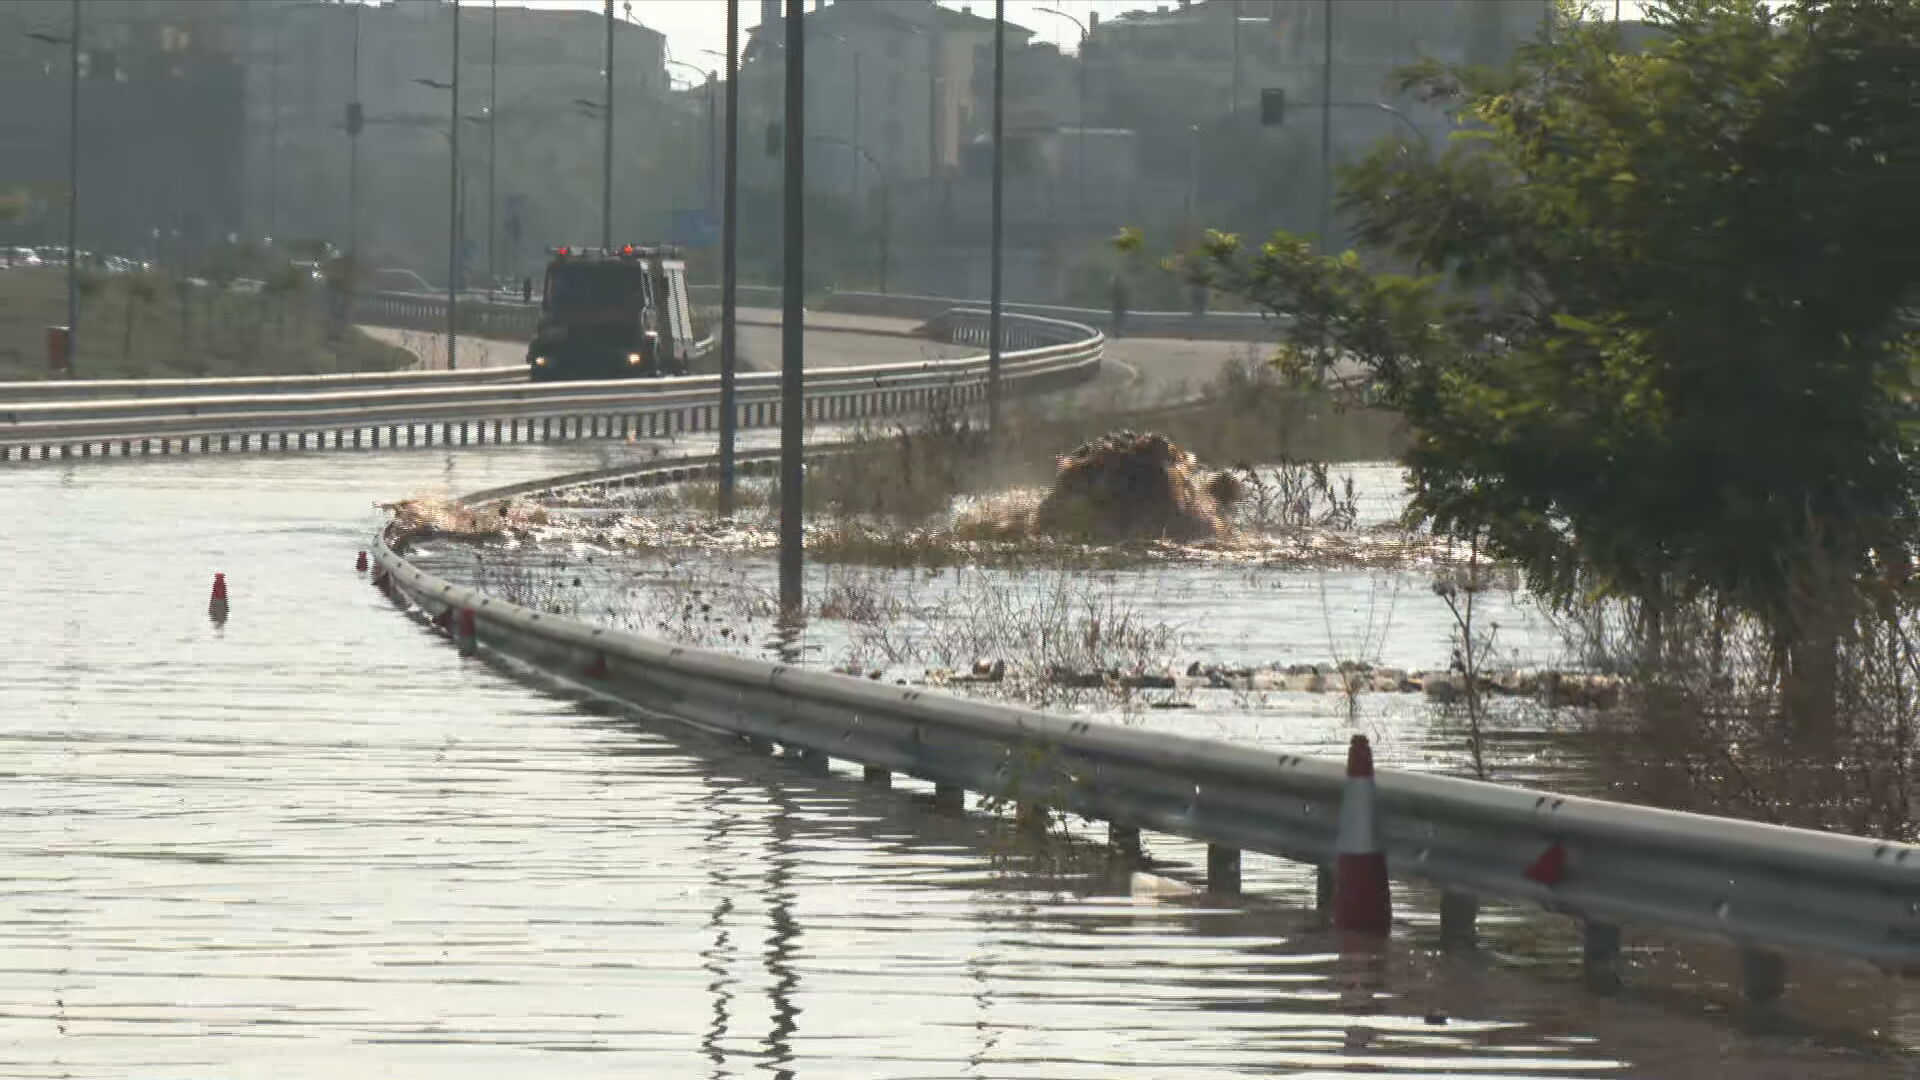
x,y
217,603
360,564
1361,899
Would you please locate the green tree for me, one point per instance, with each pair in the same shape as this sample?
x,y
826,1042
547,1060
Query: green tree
x,y
1658,339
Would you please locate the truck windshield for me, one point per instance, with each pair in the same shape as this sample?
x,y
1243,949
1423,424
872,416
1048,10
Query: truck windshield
x,y
575,288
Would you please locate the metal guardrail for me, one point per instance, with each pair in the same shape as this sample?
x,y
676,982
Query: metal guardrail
x,y
17,393
411,311
1231,325
1061,353
1761,887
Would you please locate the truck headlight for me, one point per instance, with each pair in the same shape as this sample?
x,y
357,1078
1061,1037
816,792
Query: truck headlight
x,y
634,358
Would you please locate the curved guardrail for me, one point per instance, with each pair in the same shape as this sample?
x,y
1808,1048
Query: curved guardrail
x,y
1220,325
1055,353
19,393
1761,887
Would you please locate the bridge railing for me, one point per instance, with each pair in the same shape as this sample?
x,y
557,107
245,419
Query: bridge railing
x,y
354,417
1763,888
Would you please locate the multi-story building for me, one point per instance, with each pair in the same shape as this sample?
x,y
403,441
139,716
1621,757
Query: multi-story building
x,y
531,86
896,78
162,127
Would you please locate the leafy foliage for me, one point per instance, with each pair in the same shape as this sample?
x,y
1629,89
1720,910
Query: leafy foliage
x,y
1658,336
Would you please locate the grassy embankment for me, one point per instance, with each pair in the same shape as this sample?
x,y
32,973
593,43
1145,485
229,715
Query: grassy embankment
x,y
153,325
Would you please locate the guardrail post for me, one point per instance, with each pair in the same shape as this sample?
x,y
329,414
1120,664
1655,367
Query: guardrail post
x,y
1323,882
949,797
1600,956
1223,870
877,775
1459,913
1763,975
1124,841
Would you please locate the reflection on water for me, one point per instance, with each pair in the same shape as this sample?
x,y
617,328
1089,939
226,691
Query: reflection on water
x,y
318,843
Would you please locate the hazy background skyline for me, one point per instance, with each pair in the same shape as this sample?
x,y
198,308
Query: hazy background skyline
x,y
693,26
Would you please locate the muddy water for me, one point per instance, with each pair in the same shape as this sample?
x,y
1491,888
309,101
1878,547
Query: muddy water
x,y
312,842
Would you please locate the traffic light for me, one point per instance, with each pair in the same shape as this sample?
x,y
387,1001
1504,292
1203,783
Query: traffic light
x,y
1273,107
355,120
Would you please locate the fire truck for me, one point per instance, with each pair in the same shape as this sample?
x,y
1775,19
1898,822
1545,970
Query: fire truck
x,y
612,314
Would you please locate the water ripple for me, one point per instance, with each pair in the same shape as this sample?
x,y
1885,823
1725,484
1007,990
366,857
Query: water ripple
x,y
316,842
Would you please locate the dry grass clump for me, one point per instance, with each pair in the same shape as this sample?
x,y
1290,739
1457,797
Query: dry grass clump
x,y
436,517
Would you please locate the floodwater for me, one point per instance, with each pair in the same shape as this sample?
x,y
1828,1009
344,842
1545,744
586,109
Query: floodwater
x,y
312,842
1162,617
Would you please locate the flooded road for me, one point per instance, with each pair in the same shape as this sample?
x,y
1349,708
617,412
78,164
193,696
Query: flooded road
x,y
315,843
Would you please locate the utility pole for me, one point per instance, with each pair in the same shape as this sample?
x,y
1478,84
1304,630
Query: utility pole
x,y
453,199
72,42
493,143
1080,154
1234,107
853,181
73,190
999,184
1326,129
355,118
273,124
713,157
729,248
1193,168
606,146
793,286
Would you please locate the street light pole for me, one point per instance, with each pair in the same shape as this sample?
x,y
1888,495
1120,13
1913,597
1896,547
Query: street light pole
x,y
793,286
712,133
1080,156
453,201
1193,167
73,189
729,246
354,119
999,178
72,42
493,143
1326,127
886,198
273,125
854,184
606,146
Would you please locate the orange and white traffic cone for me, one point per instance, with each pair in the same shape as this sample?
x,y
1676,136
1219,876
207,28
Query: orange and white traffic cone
x,y
1362,902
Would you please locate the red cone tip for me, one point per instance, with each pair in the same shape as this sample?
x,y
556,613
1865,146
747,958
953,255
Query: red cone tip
x,y
360,564
219,586
1551,867
1359,759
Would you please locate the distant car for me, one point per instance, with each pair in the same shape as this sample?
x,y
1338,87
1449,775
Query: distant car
x,y
21,256
312,268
